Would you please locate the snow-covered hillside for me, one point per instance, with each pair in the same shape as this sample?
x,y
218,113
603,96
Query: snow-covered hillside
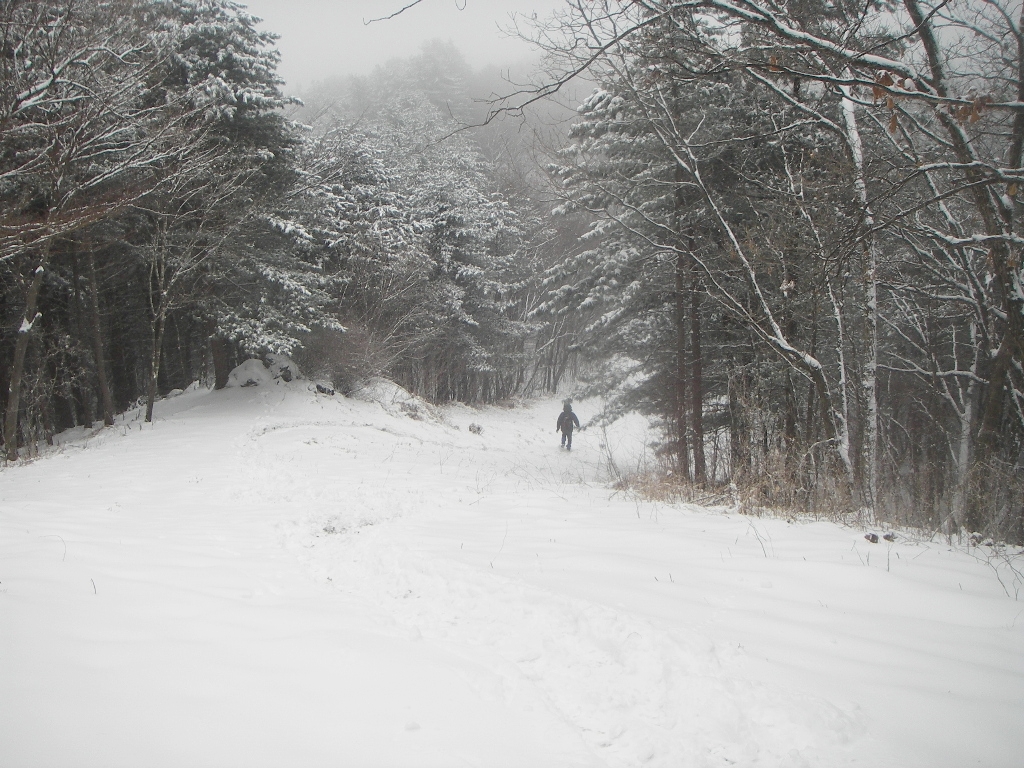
x,y
271,577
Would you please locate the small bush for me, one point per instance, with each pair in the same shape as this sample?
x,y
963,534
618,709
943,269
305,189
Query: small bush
x,y
343,358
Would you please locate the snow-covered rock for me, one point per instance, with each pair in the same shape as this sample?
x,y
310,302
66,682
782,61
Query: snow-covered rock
x,y
253,373
283,367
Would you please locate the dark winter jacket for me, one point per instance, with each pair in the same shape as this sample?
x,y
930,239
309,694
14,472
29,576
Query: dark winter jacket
x,y
566,419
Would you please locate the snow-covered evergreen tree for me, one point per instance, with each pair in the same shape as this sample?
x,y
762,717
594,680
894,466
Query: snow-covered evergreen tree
x,y
425,243
691,179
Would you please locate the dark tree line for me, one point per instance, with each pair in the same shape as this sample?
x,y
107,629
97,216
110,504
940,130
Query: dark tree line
x,y
136,137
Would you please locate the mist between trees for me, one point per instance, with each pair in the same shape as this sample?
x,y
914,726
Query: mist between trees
x,y
788,232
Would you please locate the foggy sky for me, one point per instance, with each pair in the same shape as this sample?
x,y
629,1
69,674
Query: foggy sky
x,y
322,38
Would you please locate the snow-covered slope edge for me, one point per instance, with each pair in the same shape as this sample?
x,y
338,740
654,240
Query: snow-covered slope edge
x,y
266,576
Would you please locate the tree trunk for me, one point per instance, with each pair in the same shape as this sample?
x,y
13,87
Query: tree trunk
x,y
697,379
682,426
739,428
870,247
837,421
99,352
811,389
76,326
219,349
20,350
791,458
154,364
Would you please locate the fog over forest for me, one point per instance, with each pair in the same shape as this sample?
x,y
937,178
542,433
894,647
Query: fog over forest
x,y
323,39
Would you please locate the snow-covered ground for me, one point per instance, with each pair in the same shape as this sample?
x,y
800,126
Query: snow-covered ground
x,y
271,577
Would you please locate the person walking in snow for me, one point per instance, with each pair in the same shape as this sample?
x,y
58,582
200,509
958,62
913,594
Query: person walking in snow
x,y
566,420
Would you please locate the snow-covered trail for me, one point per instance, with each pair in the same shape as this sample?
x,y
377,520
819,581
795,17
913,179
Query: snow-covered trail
x,y
265,577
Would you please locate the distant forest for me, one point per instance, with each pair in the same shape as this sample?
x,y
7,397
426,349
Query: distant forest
x,y
787,232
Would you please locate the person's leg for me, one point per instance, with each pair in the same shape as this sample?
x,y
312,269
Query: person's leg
x,y
568,443
563,439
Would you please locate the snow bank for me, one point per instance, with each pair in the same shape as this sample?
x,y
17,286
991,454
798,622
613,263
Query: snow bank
x,y
395,400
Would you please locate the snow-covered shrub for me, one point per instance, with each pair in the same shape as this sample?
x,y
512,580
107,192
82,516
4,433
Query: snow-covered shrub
x,y
395,400
345,359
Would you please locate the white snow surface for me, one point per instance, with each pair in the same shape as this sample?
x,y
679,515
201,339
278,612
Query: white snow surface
x,y
265,576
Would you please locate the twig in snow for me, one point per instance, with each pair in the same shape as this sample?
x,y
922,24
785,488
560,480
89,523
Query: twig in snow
x,y
605,443
758,537
858,554
53,535
502,544
1004,559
